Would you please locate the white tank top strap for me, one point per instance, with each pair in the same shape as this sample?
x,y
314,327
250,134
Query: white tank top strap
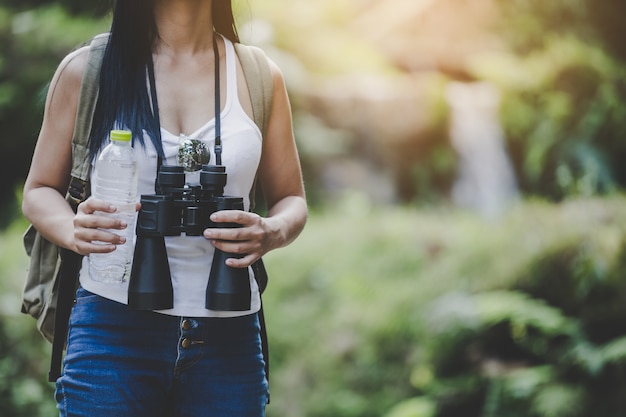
x,y
231,73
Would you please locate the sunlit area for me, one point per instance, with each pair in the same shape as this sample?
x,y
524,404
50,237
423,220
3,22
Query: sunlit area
x,y
465,253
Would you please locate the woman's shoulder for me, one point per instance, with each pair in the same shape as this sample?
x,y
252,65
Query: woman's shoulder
x,y
64,87
72,67
70,70
255,55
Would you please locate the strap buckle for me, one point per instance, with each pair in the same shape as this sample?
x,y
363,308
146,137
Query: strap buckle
x,y
77,191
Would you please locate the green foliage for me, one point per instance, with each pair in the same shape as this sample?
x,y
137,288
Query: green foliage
x,y
563,95
405,313
24,355
560,67
552,344
92,8
32,44
462,309
525,23
539,363
562,82
335,49
564,116
415,407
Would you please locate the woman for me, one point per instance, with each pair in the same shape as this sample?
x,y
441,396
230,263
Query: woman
x,y
186,360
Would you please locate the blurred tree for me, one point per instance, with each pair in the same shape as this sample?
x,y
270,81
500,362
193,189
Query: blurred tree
x,y
90,8
607,18
564,94
32,43
566,128
563,84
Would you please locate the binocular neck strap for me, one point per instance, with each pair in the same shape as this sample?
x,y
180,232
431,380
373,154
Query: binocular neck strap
x,y
155,108
218,104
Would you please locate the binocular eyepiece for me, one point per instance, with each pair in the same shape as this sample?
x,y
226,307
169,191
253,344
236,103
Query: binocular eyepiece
x,y
173,210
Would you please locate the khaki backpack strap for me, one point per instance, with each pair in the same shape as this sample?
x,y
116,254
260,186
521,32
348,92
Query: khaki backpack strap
x,y
69,267
260,83
81,163
258,75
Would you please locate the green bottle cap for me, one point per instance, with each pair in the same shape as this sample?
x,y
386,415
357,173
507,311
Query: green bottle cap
x,y
121,135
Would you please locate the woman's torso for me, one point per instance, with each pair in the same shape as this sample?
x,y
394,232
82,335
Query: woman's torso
x,y
190,257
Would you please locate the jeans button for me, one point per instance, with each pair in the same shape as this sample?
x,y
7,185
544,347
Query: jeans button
x,y
185,343
186,325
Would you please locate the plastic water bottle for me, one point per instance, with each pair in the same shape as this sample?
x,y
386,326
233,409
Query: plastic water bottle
x,y
115,181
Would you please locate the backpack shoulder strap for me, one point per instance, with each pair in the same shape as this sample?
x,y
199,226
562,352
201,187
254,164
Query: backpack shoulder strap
x,y
258,73
71,262
86,105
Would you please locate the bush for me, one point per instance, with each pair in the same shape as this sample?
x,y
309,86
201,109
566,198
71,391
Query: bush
x,y
32,44
550,342
517,316
24,355
564,116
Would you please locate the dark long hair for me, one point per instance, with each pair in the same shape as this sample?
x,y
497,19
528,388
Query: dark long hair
x,y
124,99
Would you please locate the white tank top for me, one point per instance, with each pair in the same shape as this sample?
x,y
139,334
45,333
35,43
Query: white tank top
x,y
190,257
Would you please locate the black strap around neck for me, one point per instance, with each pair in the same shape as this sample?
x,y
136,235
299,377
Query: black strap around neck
x,y
218,104
155,107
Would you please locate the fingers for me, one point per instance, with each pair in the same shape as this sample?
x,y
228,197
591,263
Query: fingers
x,y
90,224
246,243
94,213
251,226
244,262
91,205
243,218
245,252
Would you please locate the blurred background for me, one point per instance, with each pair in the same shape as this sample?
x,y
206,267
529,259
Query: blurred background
x,y
465,253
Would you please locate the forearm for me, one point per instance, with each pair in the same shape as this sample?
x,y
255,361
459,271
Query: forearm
x,y
51,215
44,202
287,218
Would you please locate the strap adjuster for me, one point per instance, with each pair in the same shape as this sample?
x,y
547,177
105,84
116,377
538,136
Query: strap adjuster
x,y
77,191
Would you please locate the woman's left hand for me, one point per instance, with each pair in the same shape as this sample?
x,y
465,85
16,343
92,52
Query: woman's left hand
x,y
280,177
253,239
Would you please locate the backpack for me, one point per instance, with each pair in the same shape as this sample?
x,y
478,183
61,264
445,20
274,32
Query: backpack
x,y
52,274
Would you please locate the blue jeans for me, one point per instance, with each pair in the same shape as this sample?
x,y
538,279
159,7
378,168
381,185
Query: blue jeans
x,y
127,363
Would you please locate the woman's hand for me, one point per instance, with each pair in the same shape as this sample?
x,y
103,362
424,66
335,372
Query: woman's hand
x,y
89,223
280,177
256,236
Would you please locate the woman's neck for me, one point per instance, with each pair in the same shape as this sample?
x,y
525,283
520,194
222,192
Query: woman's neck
x,y
185,26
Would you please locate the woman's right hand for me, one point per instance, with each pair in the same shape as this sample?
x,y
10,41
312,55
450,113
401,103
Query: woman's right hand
x,y
89,222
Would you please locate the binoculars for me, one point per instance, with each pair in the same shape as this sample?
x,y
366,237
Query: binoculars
x,y
174,209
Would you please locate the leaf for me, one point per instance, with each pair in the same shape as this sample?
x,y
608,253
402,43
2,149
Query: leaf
x,y
414,407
